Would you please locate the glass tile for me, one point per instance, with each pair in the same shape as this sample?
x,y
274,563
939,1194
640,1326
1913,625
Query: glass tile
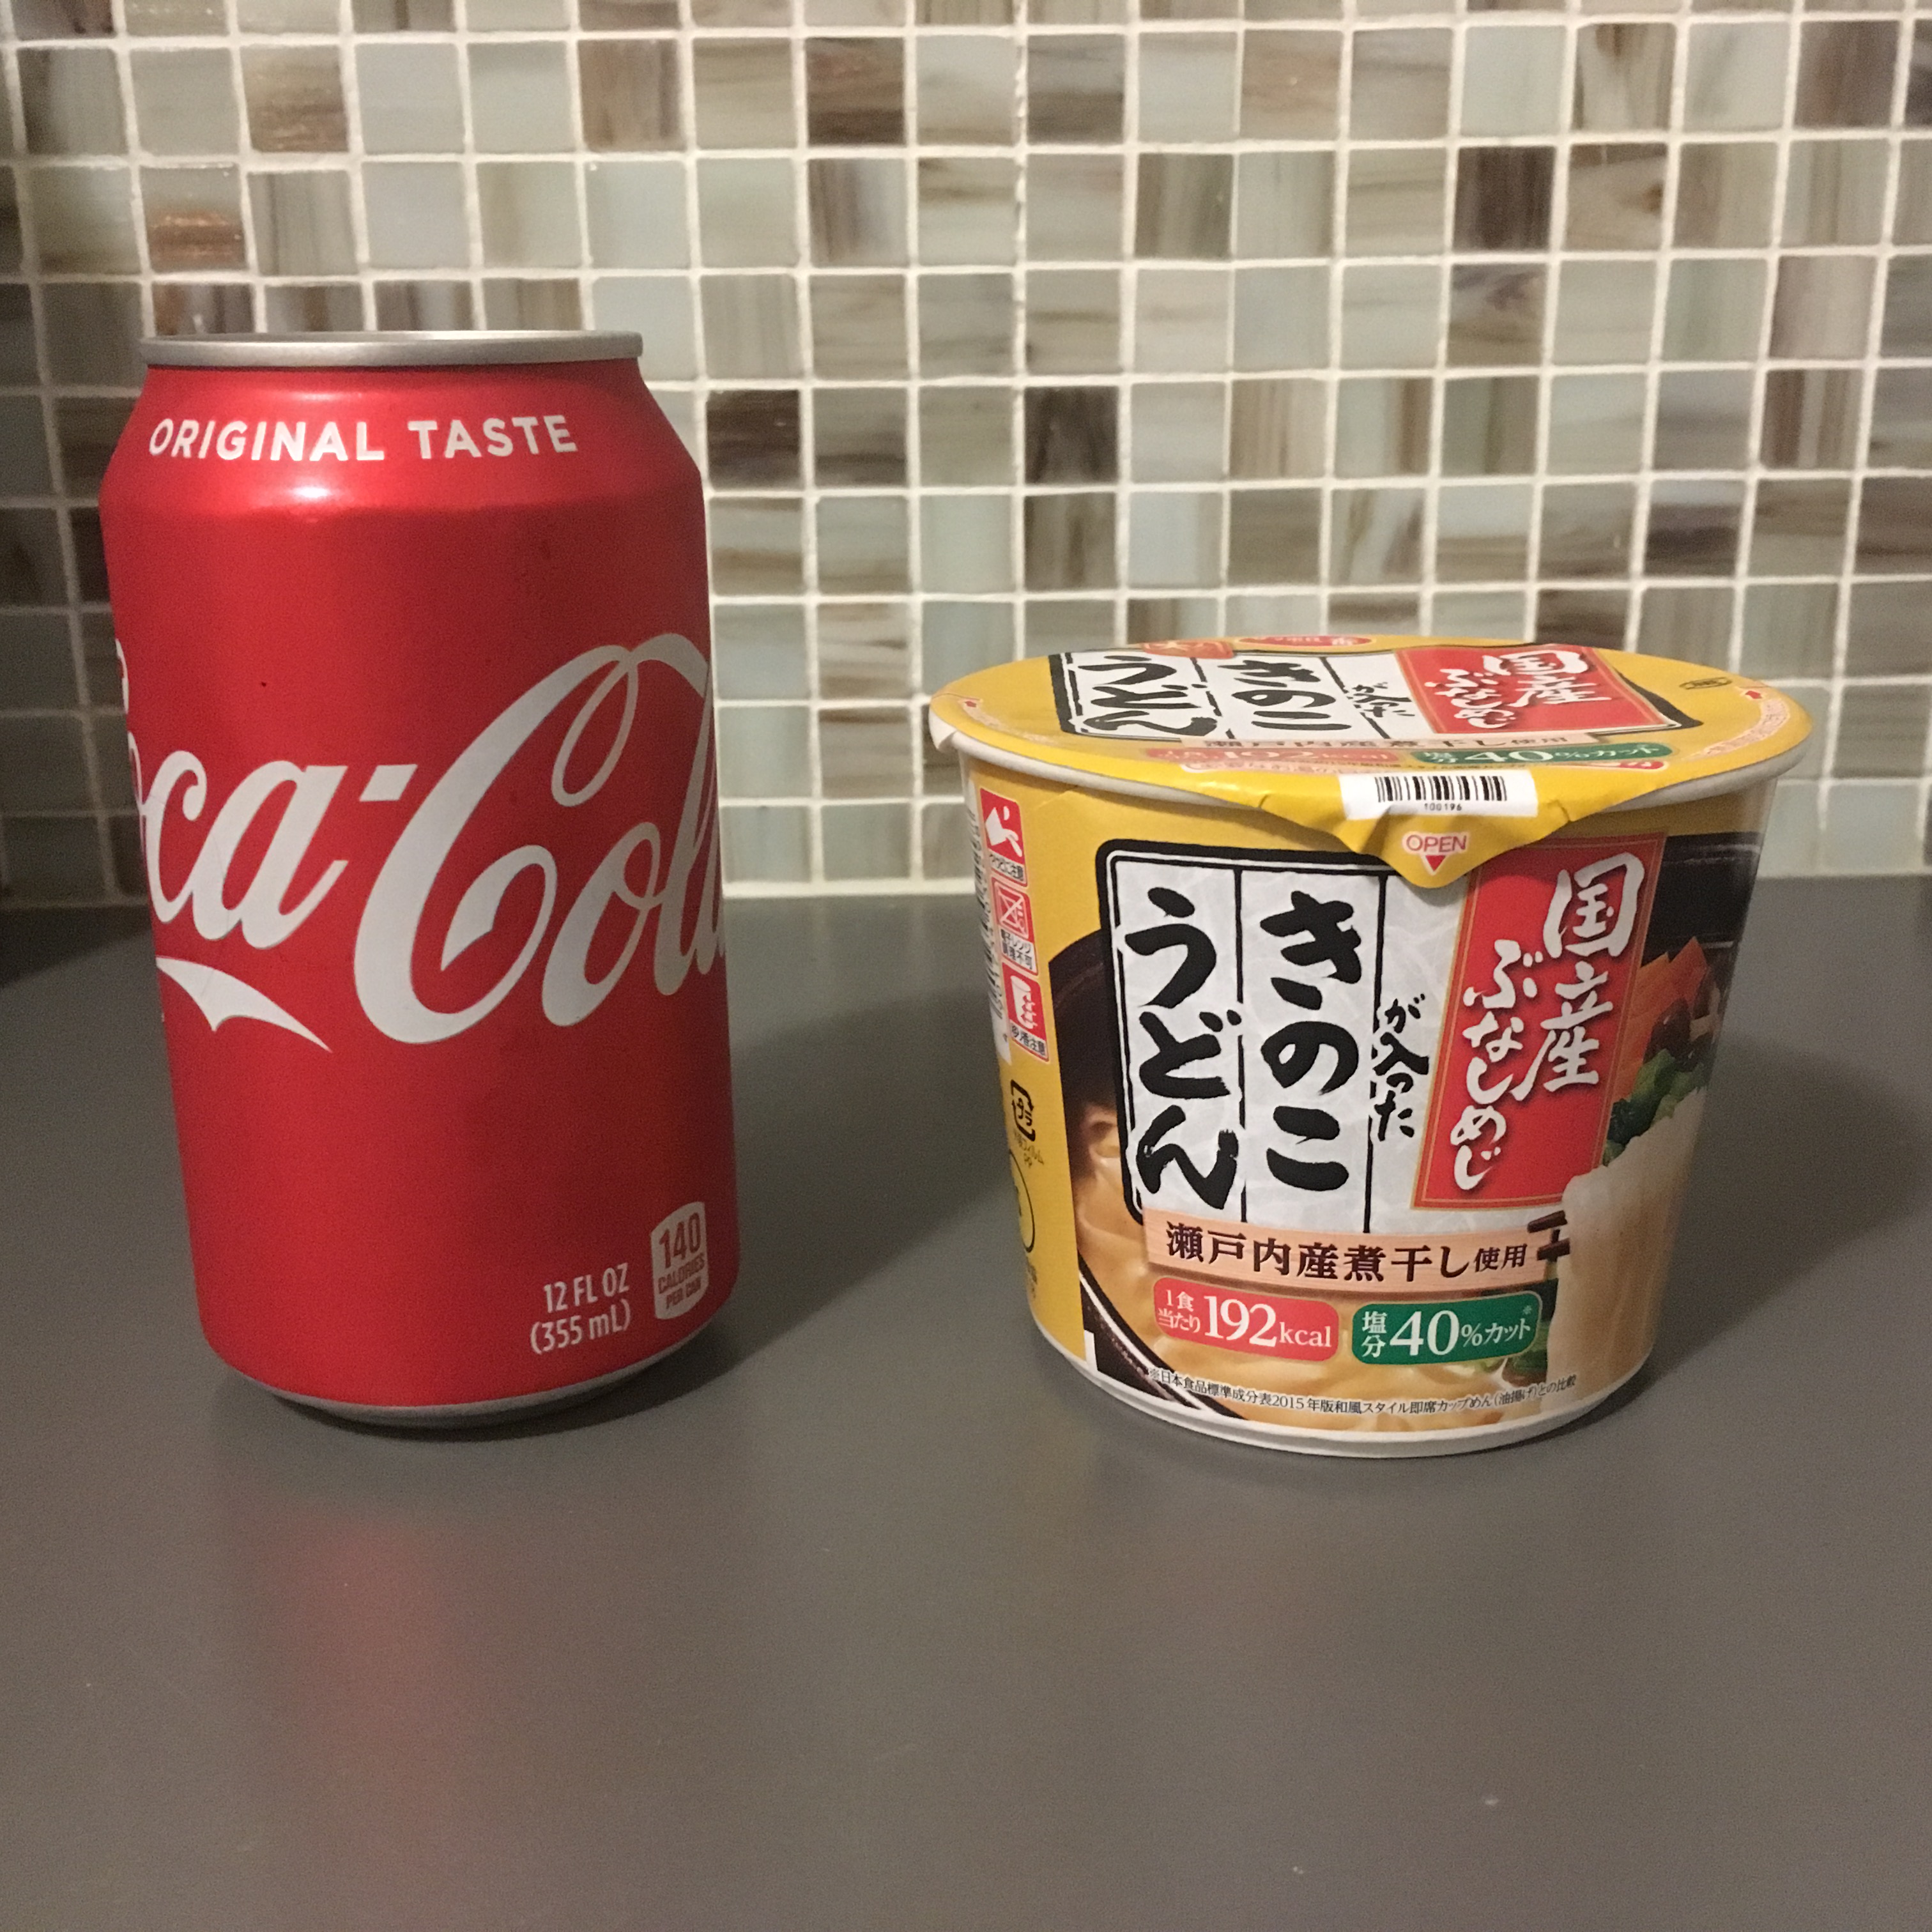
x,y
855,92
1693,528
528,212
1382,426
966,543
757,549
750,326
1623,78
36,659
1399,90
858,437
1603,311
1068,624
1911,217
1882,730
1822,306
1689,622
1895,525
1375,536
193,218
1278,427
303,223
1736,80
1586,529
751,437
1789,629
1616,196
1844,74
966,89
862,544
1597,618
1714,310
1284,203
520,96
771,843
1152,619
174,17
1512,80
858,325
958,639
1180,432
1397,613
1174,539
1888,635
966,437
946,841
857,210
416,214
764,750
1276,614
1291,79
70,101
637,215
966,325
410,99
83,221
1073,318
1482,531
1496,313
758,651
659,308
1396,200
1073,207
1281,317
968,209
1799,526
1274,536
1725,189
1479,614
1872,828
1184,206
744,93
628,92
1908,307
425,305
1187,87
865,650
1810,419
24,471
294,100
1072,435
1489,426
185,101
296,307
864,753
1596,424
202,308
1181,318
61,20
1503,198
746,215
1834,192
1389,316
1074,87
866,842
1070,541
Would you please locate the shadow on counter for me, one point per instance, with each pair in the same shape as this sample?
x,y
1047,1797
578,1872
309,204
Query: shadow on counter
x,y
32,941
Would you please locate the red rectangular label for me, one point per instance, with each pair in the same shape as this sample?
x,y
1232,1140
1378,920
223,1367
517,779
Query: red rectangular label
x,y
1257,1325
1011,909
1025,1008
999,825
1551,938
1540,688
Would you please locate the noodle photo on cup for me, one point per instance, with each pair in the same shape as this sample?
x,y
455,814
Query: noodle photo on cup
x,y
1355,998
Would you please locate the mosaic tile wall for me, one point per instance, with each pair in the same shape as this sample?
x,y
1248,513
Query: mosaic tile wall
x,y
998,335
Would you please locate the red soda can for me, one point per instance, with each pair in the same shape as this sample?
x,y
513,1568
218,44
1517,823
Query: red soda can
x,y
415,638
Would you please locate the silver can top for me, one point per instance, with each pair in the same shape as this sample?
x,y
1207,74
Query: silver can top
x,y
391,348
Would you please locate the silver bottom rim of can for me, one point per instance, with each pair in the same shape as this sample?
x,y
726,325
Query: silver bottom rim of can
x,y
1337,1442
504,1408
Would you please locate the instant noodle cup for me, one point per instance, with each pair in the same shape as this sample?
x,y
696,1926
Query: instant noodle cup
x,y
1355,999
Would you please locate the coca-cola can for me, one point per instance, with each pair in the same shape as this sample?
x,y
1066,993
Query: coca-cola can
x,y
415,639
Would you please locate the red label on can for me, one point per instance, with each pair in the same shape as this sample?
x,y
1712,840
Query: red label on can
x,y
419,692
1541,687
1551,938
1280,1325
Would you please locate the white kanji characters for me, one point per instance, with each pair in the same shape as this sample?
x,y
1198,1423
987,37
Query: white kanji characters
x,y
1601,904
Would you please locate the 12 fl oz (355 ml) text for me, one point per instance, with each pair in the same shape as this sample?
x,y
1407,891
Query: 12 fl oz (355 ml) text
x,y
586,1308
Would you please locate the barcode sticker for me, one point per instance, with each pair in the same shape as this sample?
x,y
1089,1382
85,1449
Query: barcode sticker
x,y
1439,794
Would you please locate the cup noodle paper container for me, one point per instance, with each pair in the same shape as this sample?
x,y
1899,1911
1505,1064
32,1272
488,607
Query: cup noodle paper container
x,y
1354,1000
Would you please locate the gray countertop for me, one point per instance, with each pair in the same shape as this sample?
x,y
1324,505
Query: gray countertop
x,y
865,1612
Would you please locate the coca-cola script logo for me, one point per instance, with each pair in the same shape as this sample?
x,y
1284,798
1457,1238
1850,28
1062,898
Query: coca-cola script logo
x,y
392,916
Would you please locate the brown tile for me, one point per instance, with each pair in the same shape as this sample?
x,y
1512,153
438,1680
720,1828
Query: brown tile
x,y
864,753
857,211
629,91
1274,536
1074,87
193,218
1901,424
294,100
1888,635
963,13
1072,435
520,303
1503,198
1400,87
865,650
1489,426
1382,425
70,101
1844,74
1616,196
1395,201
1908,307
752,438
968,208
859,436
86,428
1882,730
1623,78
1895,525
1375,536
855,92
1595,618
1496,314
1185,201
966,325
1834,192
1068,624
1918,77
1072,322
858,325
1482,533
400,16
1725,192
1810,419
744,93
1821,307
750,326
1798,528
740,13
1693,528
965,436
425,305
757,546
1377,613
1070,541
1290,81
1278,427
1076,13
1190,9
1152,619
1586,528
1689,622
1788,630
863,544
304,224
297,307
203,308
61,20
1703,419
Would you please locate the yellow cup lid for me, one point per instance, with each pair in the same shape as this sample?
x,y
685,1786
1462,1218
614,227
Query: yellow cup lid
x,y
1431,753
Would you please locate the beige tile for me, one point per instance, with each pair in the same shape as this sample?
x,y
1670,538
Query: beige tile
x,y
857,211
1072,319
1596,424
1811,419
637,216
659,308
1479,614
759,651
1799,526
531,301
70,101
1073,208
1895,525
1174,539
862,544
409,99
1389,316
203,308
1396,201
1735,79
1725,191
764,750
707,14
416,217
1068,624
628,92
288,17
1703,419
301,307
770,842
1821,306
294,99
1586,529
626,16
425,305
1844,73
747,213
743,90
1281,317
1496,314
1071,434
1074,85
194,219
757,548
529,214
858,325
966,437
1616,196
1901,421
968,209
957,639
1291,79
1908,307
1070,541
1189,87
1623,78
173,17
1180,432
966,89
750,326
1382,425
1693,528
1834,192
858,438
1181,318
1399,90
966,325
1284,203
185,101
865,650
962,13
1185,202
1482,532
1603,311
1503,199
1911,218
1788,629
855,12
1278,426
1689,622
83,220
1512,80
1593,617
1489,425
855,92
304,225
966,543
1375,536
1714,310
